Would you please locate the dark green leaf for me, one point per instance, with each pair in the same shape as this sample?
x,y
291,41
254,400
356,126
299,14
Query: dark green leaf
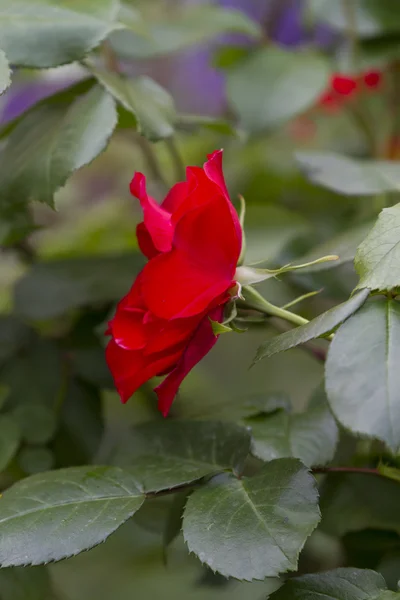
x,y
51,289
13,336
34,377
90,364
81,426
362,374
37,422
371,17
186,27
50,143
378,256
274,85
173,525
33,459
348,175
310,436
352,584
252,528
10,439
168,454
150,104
350,503
26,584
66,30
319,326
5,73
59,514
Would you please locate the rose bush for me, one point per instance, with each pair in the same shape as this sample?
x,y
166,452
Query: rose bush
x,y
193,242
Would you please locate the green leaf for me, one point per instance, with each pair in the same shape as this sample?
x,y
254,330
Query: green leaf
x,y
344,245
274,85
81,425
50,143
378,256
311,436
252,528
61,513
173,525
26,584
13,336
10,439
180,29
247,275
193,123
5,73
53,288
350,176
352,584
38,423
34,377
66,30
35,459
371,17
164,455
150,104
319,326
362,374
350,503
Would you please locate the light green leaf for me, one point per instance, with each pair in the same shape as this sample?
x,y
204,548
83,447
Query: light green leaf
x,y
187,27
362,374
350,176
10,439
150,104
51,289
67,30
352,584
344,245
377,260
50,143
371,18
5,73
274,85
252,528
311,436
164,455
319,326
61,513
26,584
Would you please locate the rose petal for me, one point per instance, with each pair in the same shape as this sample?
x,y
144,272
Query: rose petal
x,y
184,282
156,219
200,344
131,369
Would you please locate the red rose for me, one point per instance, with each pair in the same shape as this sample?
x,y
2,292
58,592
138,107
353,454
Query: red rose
x,y
163,325
343,87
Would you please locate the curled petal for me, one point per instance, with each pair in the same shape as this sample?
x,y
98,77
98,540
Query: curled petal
x,y
145,241
200,344
131,368
201,267
156,219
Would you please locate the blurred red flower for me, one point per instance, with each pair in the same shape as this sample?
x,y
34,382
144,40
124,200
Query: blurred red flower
x,y
343,87
163,325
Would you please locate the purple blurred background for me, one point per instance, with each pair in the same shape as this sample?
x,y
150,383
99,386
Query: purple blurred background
x,y
196,85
